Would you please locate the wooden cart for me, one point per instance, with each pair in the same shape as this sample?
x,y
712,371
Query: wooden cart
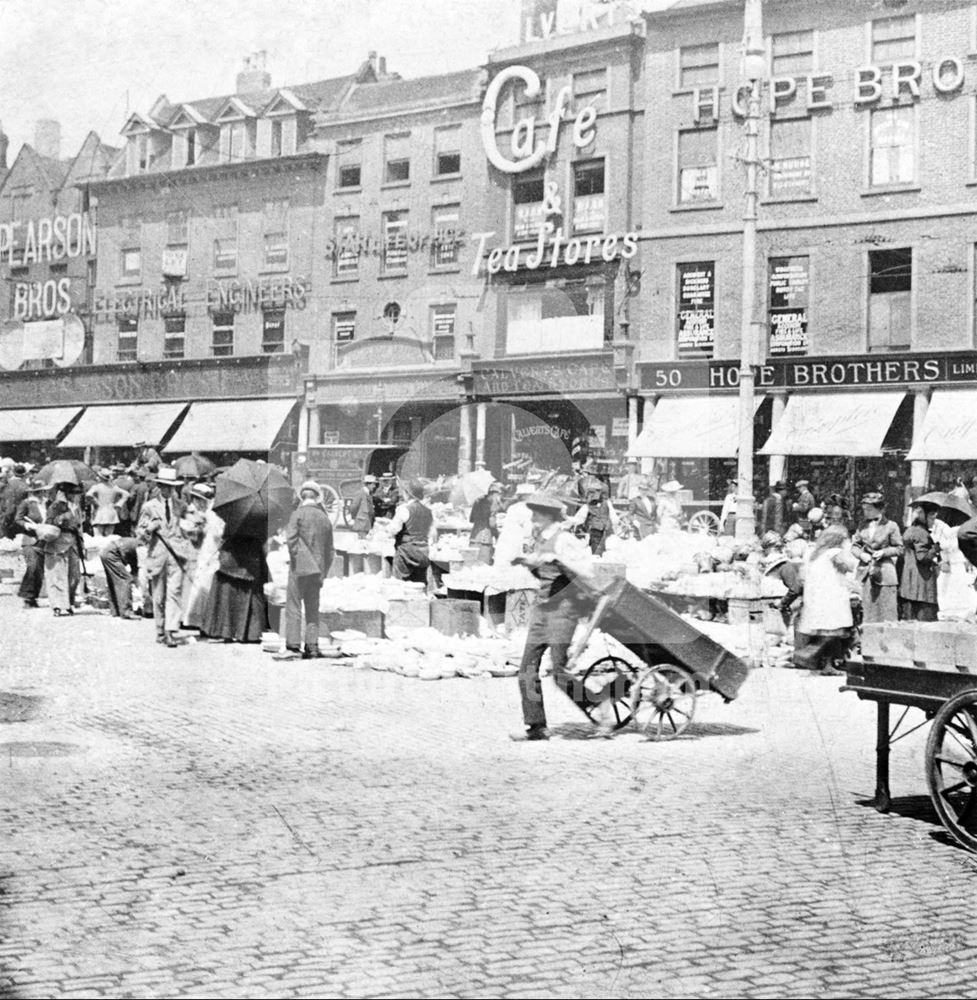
x,y
948,700
339,470
677,662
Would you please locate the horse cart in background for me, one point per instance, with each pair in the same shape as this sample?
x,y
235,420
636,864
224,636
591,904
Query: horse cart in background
x,y
339,470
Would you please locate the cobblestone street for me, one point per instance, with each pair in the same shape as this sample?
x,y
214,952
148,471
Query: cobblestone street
x,y
206,822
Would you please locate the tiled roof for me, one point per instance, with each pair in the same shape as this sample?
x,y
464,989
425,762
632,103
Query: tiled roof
x,y
313,95
56,169
420,92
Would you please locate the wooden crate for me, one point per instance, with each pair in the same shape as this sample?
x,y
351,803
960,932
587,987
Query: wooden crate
x,y
518,607
370,623
411,612
453,617
890,642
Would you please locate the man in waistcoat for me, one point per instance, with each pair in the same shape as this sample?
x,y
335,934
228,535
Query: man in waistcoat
x,y
558,561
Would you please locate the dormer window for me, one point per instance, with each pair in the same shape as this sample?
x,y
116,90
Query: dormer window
x,y
233,137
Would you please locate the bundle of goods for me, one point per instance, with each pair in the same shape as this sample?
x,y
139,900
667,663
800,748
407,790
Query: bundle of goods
x,y
450,547
365,592
949,645
428,655
481,577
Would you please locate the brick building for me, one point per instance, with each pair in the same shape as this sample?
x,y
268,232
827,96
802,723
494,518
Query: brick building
x,y
47,254
866,237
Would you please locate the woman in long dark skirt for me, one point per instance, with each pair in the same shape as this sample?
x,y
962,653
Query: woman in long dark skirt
x,y
920,568
237,610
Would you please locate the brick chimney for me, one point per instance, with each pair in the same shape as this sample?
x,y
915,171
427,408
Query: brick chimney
x,y
254,77
47,138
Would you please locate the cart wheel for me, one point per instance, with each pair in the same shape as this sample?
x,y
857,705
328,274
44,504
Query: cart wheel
x,y
704,523
332,503
613,672
663,701
951,767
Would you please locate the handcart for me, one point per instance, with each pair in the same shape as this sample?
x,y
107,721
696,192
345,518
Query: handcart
x,y
949,701
677,662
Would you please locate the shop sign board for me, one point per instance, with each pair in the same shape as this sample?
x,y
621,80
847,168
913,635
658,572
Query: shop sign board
x,y
558,377
871,85
42,299
619,427
841,372
696,310
788,302
552,249
352,243
54,238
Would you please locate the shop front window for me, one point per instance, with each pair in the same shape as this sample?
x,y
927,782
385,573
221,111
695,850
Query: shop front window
x,y
128,342
273,332
174,336
394,242
588,196
444,246
890,299
528,205
893,146
443,332
222,341
698,166
562,314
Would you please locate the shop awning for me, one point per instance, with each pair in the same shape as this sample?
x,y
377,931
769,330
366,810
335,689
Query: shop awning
x,y
232,425
949,429
691,427
37,424
123,425
834,423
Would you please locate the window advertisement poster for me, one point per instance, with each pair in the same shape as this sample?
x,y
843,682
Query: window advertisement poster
x,y
696,310
789,286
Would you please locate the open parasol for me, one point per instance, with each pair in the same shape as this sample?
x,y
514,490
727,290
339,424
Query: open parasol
x,y
935,499
194,466
955,510
253,499
67,470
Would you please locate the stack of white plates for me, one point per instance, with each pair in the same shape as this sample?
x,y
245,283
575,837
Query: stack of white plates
x,y
271,642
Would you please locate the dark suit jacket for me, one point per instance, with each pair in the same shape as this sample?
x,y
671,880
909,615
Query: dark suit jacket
x,y
361,511
309,538
15,492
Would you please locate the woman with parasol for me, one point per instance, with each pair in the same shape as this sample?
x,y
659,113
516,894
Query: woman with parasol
x,y
253,499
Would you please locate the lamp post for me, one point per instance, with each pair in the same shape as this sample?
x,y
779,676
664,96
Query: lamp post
x,y
754,67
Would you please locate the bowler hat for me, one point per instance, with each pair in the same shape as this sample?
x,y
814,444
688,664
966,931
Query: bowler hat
x,y
545,503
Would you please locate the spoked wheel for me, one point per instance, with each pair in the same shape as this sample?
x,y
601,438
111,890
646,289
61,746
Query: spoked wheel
x,y
951,767
663,701
704,523
333,504
607,682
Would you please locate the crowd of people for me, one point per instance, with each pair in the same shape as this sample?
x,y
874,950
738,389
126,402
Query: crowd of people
x,y
838,574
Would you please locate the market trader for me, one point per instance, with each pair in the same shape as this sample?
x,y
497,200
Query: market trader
x,y
558,560
412,528
121,565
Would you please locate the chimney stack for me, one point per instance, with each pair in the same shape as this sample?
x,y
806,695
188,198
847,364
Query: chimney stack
x,y
254,78
47,138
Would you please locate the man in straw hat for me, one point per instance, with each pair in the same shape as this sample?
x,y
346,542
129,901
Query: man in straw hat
x,y
310,553
166,551
558,560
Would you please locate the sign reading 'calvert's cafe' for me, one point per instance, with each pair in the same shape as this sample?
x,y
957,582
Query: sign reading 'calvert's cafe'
x,y
815,373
